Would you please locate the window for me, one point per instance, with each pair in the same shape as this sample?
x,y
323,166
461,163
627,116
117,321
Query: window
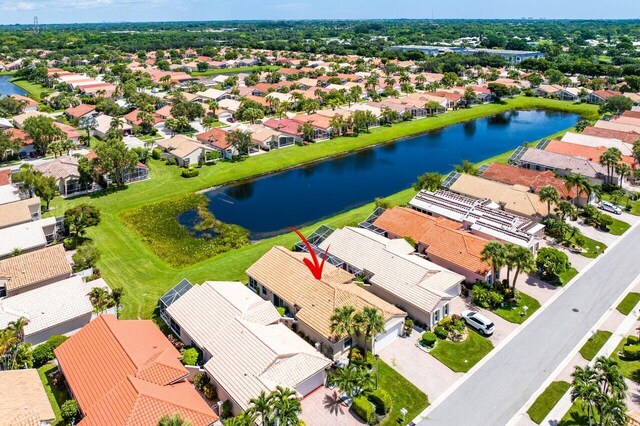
x,y
347,343
253,284
174,326
436,316
277,301
264,290
445,310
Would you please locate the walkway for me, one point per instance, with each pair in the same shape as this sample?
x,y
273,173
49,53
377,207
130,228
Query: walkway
x,y
520,367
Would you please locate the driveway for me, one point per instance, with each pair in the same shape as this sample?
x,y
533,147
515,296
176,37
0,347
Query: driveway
x,y
424,371
516,371
503,327
321,408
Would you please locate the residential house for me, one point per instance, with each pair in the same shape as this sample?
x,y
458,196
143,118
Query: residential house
x,y
246,347
591,153
548,90
62,307
321,125
286,126
103,125
600,96
212,94
27,237
481,217
281,277
627,137
17,212
597,142
29,104
185,150
127,372
23,400
32,270
516,199
217,139
65,170
395,274
80,111
617,125
19,120
442,240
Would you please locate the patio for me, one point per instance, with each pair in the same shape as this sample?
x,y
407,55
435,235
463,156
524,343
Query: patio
x,y
323,408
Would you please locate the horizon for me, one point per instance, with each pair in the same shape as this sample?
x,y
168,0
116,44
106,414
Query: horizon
x,y
68,12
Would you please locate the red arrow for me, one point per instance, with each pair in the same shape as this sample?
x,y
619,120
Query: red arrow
x,y
314,267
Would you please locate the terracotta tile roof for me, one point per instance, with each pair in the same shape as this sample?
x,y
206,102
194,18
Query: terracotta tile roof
x,y
22,397
316,120
34,267
283,272
513,175
29,102
582,151
132,117
605,94
21,135
215,137
127,373
284,125
18,212
80,110
628,137
5,177
443,237
70,131
632,114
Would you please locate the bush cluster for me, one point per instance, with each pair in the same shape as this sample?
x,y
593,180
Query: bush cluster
x,y
486,296
190,356
631,349
429,338
382,401
364,409
43,353
189,173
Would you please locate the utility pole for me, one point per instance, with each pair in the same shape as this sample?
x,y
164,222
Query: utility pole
x,y
36,25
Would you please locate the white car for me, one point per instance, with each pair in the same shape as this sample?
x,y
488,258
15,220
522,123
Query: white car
x,y
609,207
479,322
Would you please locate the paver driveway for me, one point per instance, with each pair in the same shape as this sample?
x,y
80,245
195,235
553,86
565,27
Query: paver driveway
x,y
322,408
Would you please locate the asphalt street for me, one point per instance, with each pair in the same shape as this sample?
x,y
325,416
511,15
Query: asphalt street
x,y
498,389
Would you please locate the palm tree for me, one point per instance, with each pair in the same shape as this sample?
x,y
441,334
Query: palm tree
x,y
466,167
548,194
245,418
585,388
431,181
610,159
67,145
522,260
175,420
611,378
623,170
495,254
352,379
343,322
287,407
262,407
565,209
16,328
370,323
579,183
100,299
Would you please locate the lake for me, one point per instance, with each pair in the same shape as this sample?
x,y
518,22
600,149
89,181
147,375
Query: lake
x,y
266,206
7,88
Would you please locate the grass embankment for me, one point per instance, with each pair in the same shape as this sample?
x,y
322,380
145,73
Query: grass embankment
x,y
128,262
461,357
590,349
516,314
548,399
56,396
217,71
403,393
567,276
628,303
35,91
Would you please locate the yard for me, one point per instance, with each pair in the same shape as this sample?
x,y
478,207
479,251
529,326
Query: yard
x,y
404,395
623,202
618,227
36,91
128,262
56,396
567,276
547,400
593,248
628,303
516,314
629,369
461,357
590,349
217,71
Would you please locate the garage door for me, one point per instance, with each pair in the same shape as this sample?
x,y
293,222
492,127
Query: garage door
x,y
389,336
311,384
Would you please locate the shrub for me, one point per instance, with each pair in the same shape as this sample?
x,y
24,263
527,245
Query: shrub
x,y
445,322
428,338
212,155
356,356
632,340
42,354
156,154
486,297
56,340
189,173
281,310
441,332
381,399
201,380
605,221
408,327
226,410
190,356
209,391
631,352
69,243
551,263
69,411
364,408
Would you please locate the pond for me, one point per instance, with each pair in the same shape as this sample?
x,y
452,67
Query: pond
x,y
267,206
8,88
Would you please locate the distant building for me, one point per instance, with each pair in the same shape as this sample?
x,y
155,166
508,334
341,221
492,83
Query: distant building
x,y
513,56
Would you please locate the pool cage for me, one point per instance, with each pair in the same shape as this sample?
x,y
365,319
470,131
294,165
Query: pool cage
x,y
368,222
172,295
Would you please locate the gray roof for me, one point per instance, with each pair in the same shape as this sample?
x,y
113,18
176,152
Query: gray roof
x,y
563,162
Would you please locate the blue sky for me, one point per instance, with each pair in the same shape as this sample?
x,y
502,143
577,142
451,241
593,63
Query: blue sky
x,y
65,11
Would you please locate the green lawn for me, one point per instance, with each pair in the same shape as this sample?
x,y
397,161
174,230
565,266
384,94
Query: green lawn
x,y
56,396
593,248
594,344
403,393
576,416
618,227
547,400
460,357
623,202
36,91
628,303
514,313
128,262
567,276
629,369
236,70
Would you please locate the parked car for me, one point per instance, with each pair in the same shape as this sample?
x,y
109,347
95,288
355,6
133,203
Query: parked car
x,y
479,322
609,207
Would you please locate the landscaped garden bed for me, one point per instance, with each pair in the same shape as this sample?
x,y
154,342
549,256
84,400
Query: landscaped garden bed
x,y
462,356
157,226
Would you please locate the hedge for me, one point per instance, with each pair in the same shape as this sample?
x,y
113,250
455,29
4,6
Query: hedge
x,y
43,353
631,352
189,173
382,400
364,408
428,339
190,356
